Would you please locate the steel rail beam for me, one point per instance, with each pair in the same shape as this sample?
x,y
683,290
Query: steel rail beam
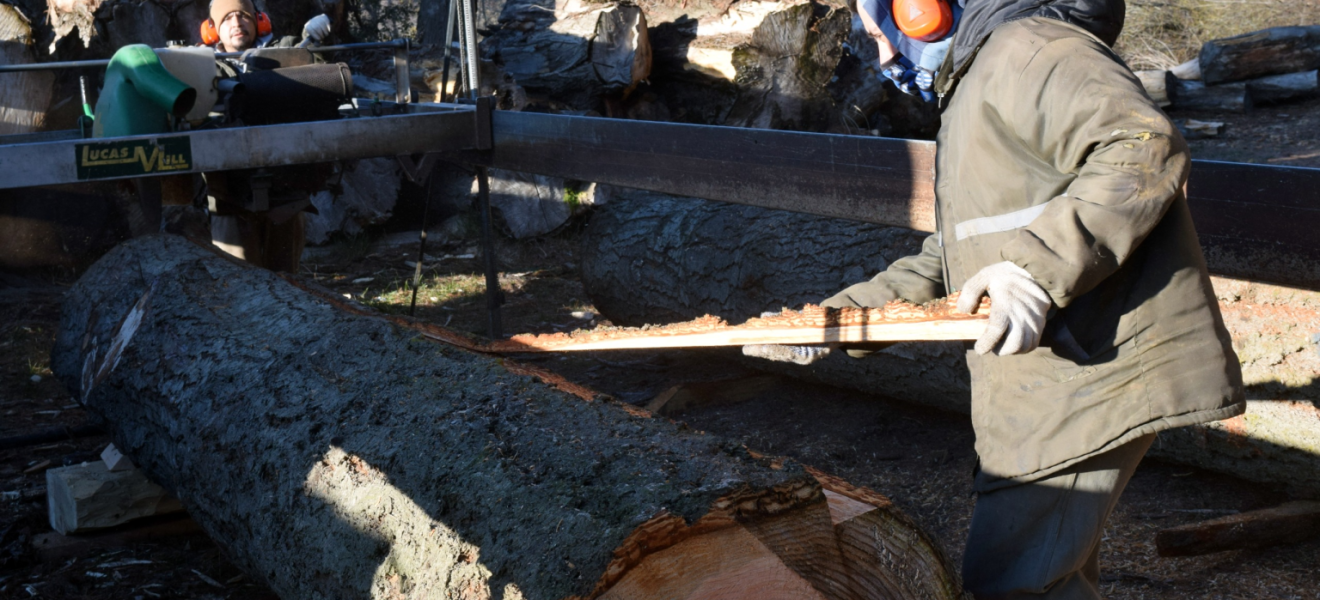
x,y
851,177
1254,221
57,162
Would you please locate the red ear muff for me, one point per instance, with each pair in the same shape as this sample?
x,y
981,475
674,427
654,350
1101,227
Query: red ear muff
x,y
210,36
923,20
263,25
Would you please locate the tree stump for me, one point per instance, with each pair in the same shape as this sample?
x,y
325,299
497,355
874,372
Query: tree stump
x,y
24,97
784,70
335,453
649,258
572,55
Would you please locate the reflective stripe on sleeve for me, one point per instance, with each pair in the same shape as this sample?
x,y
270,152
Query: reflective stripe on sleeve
x,y
998,223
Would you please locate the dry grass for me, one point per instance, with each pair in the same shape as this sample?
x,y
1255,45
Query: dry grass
x,y
1160,34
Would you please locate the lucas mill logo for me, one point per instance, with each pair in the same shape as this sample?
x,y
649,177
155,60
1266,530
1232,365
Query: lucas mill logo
x,y
135,157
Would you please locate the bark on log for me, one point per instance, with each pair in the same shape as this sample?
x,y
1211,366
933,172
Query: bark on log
x,y
1282,88
24,97
336,454
1271,51
650,258
1194,95
572,55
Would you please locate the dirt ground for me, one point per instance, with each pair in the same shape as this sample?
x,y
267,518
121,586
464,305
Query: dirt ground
x,y
921,458
1283,134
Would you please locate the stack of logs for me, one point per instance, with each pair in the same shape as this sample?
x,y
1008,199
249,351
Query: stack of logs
x,y
1234,74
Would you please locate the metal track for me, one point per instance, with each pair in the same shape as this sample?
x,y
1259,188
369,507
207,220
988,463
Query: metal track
x,y
1255,221
68,161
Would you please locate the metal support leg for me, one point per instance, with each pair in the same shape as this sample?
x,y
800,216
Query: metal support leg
x,y
450,25
402,85
494,296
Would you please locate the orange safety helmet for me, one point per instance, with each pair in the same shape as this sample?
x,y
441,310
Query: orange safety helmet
x,y
211,35
923,20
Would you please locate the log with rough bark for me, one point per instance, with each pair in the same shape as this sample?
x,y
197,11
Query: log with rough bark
x,y
24,97
1285,524
1271,51
1195,95
651,258
339,454
573,54
1283,88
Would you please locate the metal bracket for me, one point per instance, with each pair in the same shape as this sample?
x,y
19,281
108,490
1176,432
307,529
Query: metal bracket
x,y
418,171
260,183
485,108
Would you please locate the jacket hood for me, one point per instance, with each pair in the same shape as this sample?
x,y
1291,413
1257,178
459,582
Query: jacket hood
x,y
1102,18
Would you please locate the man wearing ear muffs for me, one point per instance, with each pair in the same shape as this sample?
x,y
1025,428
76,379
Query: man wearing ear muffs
x,y
271,239
1059,194
236,26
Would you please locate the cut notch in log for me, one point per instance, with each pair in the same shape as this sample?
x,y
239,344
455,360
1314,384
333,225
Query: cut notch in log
x,y
363,443
896,322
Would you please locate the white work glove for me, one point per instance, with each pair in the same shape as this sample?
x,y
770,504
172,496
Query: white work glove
x,y
317,29
1018,307
799,355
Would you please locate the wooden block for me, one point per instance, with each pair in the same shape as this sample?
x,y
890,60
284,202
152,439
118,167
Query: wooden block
x,y
687,396
1287,523
1190,70
90,496
114,460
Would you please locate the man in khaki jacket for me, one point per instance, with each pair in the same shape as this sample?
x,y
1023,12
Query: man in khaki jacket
x,y
1059,193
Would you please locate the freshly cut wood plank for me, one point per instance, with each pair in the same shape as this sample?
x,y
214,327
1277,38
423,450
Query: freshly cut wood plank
x,y
896,322
1287,523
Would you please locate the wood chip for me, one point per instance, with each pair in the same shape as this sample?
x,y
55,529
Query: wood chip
x,y
208,580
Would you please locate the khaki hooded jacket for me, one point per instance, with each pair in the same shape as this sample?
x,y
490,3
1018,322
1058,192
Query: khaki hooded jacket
x,y
1051,156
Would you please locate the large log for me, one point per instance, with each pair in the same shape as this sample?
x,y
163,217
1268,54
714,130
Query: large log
x,y
651,258
1194,95
339,454
1282,88
1271,51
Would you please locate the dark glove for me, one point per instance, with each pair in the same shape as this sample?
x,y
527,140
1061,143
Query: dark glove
x,y
910,79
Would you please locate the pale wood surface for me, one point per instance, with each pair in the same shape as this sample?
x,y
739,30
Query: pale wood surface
x,y
90,496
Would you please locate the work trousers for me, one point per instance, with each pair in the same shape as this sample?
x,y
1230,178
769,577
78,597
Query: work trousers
x,y
1041,540
254,238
